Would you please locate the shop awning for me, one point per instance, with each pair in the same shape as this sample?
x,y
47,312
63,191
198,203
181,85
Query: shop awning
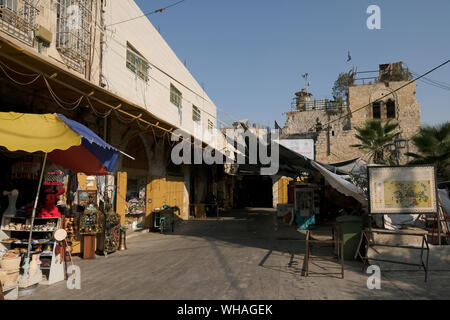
x,y
341,185
68,143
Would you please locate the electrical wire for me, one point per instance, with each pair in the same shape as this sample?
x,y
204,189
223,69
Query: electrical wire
x,y
160,70
99,114
77,103
18,82
431,82
60,102
148,13
102,31
435,84
168,88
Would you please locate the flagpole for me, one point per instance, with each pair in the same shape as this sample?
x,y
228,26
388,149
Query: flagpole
x,y
27,260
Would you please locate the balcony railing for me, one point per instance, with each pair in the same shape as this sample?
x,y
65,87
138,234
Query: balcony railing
x,y
318,105
18,18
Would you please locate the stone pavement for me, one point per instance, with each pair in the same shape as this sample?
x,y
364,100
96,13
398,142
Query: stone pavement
x,y
246,255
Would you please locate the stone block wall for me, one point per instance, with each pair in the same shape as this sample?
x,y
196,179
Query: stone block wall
x,y
333,142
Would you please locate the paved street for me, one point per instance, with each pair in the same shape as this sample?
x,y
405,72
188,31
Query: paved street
x,y
247,255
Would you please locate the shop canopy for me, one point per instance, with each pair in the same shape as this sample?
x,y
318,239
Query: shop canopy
x,y
341,185
68,143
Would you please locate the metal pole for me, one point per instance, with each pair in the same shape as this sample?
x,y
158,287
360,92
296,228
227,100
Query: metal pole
x,y
439,224
1,293
27,260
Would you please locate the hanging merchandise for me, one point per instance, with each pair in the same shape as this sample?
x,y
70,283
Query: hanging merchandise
x,y
90,221
109,240
12,197
54,179
86,197
28,170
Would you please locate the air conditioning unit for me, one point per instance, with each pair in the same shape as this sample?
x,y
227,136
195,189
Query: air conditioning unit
x,y
44,35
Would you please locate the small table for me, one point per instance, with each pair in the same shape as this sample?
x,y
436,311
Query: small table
x,y
89,246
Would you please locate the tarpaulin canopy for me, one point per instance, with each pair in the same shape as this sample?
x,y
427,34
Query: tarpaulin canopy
x,y
67,142
341,185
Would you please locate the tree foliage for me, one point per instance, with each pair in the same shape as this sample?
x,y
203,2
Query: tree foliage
x,y
340,88
433,144
376,139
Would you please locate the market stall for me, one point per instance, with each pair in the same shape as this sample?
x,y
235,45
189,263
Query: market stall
x,y
37,146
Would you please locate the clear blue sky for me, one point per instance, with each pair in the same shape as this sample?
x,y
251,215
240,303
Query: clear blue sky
x,y
250,54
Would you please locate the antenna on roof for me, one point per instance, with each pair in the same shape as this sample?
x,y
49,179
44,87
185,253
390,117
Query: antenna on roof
x,y
307,83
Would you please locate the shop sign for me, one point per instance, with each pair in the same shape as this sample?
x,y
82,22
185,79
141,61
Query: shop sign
x,y
305,147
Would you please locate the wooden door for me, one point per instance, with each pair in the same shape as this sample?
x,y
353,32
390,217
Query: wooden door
x,y
283,190
121,196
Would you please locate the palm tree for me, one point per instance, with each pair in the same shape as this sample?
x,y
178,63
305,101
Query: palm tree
x,y
376,138
433,145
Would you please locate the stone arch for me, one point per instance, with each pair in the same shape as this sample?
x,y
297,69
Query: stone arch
x,y
126,145
382,94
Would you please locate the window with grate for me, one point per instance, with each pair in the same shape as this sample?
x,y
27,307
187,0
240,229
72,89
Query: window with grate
x,y
18,18
376,107
136,63
210,125
196,114
73,32
9,4
175,96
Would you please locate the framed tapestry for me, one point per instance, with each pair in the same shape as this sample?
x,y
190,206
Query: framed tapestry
x,y
402,190
87,197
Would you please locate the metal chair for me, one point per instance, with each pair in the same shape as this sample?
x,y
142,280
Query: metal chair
x,y
335,242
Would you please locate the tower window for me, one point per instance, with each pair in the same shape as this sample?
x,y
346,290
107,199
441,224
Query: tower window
x,y
376,110
390,109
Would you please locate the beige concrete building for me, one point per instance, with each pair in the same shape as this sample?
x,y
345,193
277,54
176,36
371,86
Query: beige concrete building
x,y
122,80
332,125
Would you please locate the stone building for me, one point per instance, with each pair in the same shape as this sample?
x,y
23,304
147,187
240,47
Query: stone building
x,y
332,124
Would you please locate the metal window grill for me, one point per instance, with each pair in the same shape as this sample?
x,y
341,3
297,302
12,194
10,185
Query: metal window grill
x,y
73,31
175,96
317,105
196,114
136,64
18,18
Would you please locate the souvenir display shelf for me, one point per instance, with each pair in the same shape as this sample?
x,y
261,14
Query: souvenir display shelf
x,y
112,232
18,228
